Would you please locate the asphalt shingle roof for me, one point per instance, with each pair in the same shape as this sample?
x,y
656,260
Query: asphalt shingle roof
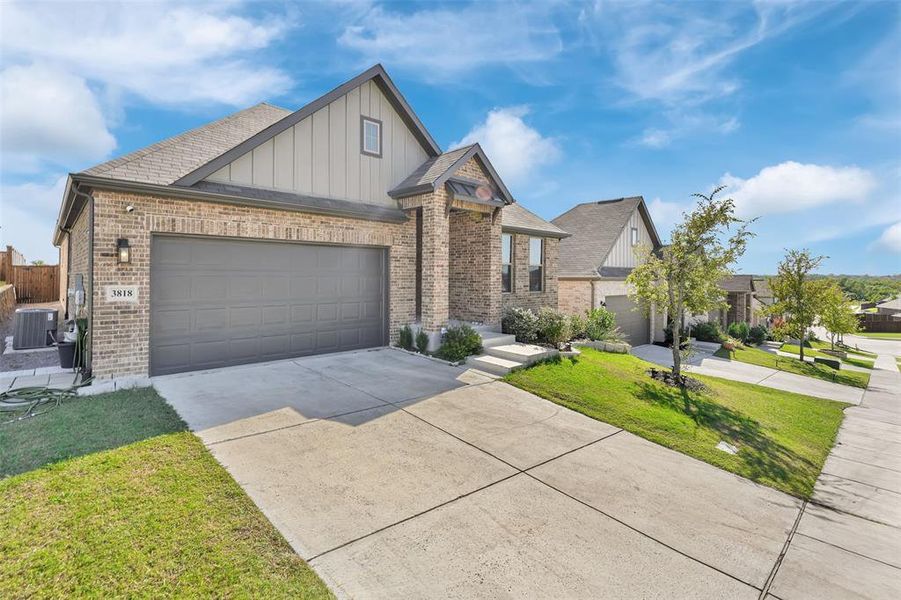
x,y
594,228
429,171
167,161
738,283
515,216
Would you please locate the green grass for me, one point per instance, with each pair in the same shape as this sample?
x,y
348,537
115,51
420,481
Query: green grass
x,y
128,518
851,359
880,336
756,356
821,345
783,438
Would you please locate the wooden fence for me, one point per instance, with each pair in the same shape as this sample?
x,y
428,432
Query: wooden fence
x,y
876,323
33,283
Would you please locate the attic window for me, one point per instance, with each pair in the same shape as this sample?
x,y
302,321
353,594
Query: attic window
x,y
635,236
371,137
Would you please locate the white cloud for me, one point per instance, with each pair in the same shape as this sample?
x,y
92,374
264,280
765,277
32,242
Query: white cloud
x,y
792,186
49,115
655,138
665,214
443,42
164,52
890,239
682,125
28,215
515,149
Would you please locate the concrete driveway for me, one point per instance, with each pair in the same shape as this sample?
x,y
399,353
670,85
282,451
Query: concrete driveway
x,y
705,363
397,476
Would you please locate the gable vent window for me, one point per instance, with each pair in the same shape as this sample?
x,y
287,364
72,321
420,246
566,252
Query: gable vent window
x,y
506,262
536,264
371,137
635,236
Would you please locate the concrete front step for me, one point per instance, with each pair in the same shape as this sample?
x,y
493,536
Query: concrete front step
x,y
492,364
522,353
493,338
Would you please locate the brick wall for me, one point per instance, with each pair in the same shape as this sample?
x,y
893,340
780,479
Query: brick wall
x,y
521,296
574,296
79,252
121,330
474,270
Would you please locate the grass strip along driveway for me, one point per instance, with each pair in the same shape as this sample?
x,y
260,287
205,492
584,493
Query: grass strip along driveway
x,y
880,336
756,356
853,358
783,438
135,506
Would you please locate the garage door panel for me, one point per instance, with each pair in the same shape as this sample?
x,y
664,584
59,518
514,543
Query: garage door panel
x,y
275,315
633,323
206,319
217,302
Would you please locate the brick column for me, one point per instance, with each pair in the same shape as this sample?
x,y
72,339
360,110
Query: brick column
x,y
435,264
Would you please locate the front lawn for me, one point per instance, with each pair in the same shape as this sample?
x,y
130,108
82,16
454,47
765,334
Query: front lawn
x,y
783,438
142,510
756,356
852,359
880,336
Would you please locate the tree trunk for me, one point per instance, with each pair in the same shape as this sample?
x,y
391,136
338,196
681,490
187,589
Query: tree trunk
x,y
801,345
676,315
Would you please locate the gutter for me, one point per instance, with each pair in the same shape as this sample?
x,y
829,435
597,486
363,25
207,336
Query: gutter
x,y
305,204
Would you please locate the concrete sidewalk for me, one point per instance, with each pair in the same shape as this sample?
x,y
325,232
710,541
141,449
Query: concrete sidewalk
x,y
848,540
705,363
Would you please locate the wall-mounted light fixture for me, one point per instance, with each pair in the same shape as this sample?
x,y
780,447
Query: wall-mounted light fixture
x,y
123,251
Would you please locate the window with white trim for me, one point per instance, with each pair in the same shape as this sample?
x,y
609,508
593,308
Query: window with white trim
x,y
371,137
635,236
506,262
536,264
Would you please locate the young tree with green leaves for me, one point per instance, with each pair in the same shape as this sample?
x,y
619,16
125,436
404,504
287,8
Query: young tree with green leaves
x,y
798,299
684,276
837,313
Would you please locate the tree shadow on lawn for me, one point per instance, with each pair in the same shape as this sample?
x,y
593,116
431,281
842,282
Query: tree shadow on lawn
x,y
85,425
765,458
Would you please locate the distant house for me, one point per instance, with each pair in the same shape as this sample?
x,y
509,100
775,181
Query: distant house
x,y
744,303
598,256
889,307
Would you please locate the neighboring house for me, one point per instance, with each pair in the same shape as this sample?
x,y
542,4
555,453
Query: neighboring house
x,y
598,256
744,305
272,234
889,307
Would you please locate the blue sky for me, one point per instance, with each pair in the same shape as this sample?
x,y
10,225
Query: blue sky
x,y
796,107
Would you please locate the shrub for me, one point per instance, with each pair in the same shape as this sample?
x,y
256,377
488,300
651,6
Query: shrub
x,y
459,342
553,327
600,324
405,338
708,331
578,327
422,341
739,331
668,334
522,323
757,335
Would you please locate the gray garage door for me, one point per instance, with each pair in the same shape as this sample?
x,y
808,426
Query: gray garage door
x,y
217,302
634,325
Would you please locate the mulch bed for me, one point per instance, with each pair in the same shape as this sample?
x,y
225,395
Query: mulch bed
x,y
682,381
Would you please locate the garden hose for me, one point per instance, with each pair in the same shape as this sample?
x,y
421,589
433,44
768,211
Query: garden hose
x,y
27,402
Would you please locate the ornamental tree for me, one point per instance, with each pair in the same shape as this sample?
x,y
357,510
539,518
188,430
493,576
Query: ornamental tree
x,y
798,299
684,276
837,313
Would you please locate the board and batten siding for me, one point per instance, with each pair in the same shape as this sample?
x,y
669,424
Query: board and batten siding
x,y
623,253
320,155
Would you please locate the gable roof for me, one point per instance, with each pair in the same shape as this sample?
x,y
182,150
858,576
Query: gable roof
x,y
516,218
738,283
893,304
595,227
166,161
376,73
434,172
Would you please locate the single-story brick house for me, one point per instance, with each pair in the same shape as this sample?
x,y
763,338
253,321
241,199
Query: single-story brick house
x,y
598,256
273,233
741,296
